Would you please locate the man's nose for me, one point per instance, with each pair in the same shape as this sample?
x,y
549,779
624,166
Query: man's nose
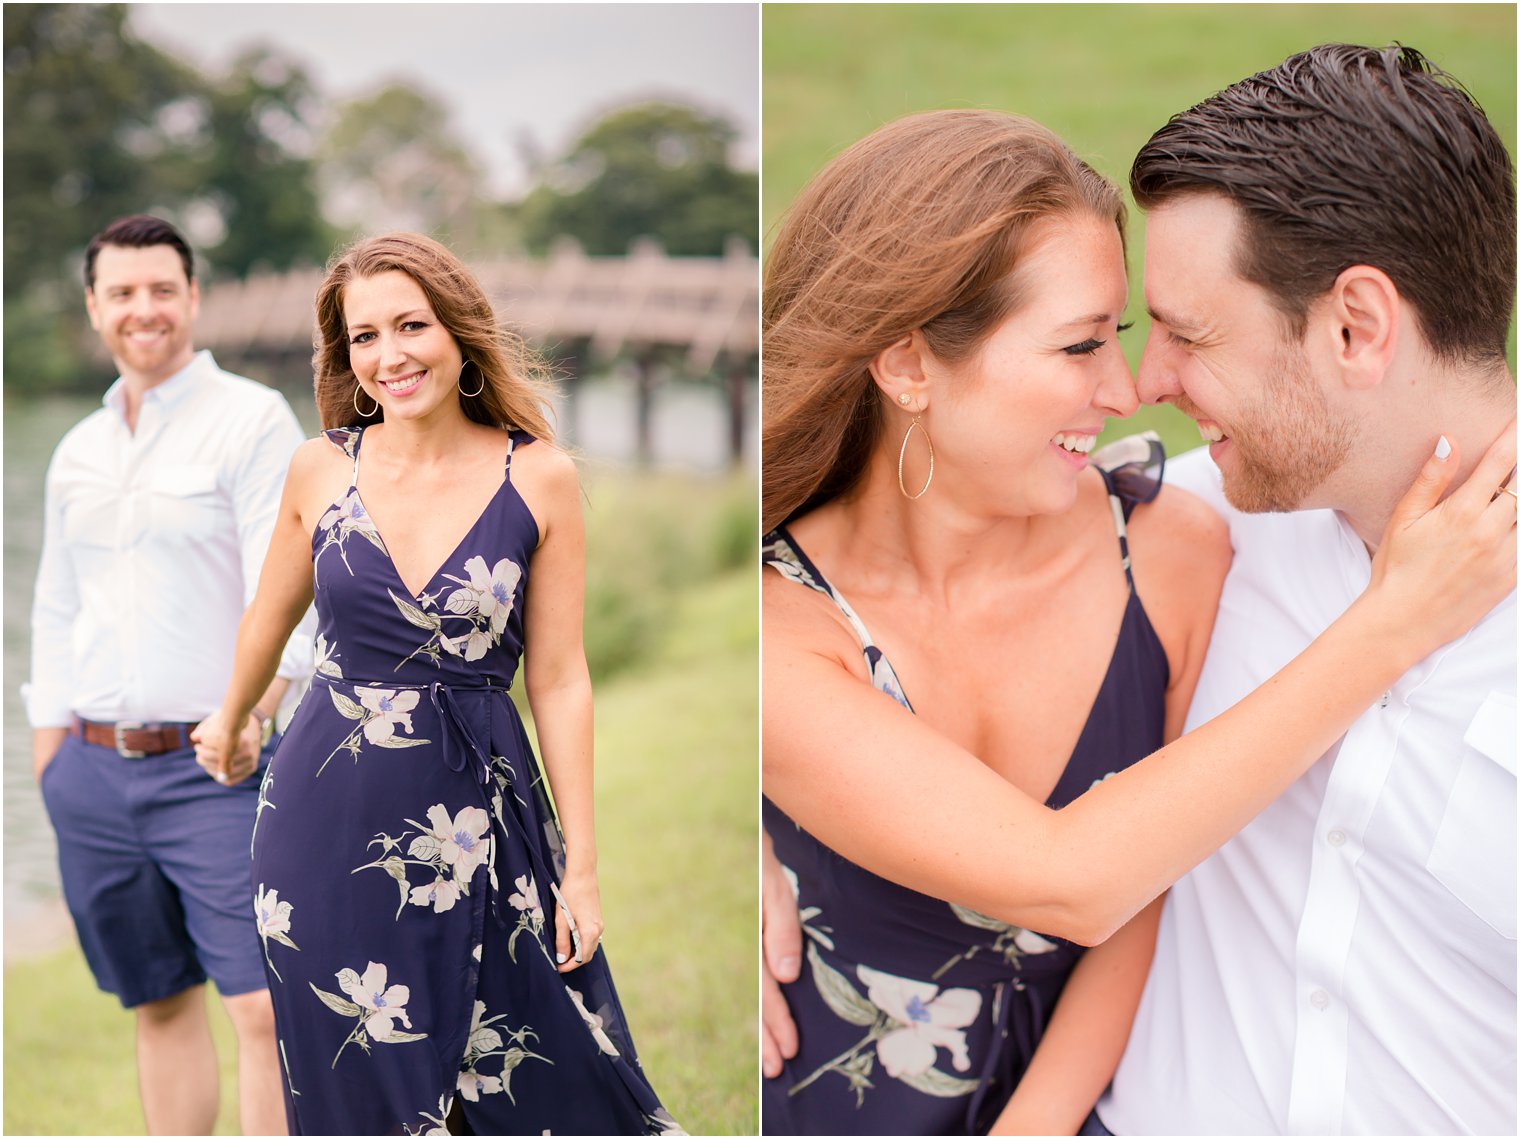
x,y
1156,377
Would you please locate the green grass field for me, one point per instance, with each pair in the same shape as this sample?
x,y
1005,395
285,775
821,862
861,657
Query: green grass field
x,y
1103,76
677,794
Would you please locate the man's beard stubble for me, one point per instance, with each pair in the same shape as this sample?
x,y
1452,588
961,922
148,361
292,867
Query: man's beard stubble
x,y
1287,445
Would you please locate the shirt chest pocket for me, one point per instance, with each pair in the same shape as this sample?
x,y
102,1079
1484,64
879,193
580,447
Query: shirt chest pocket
x,y
184,504
1474,852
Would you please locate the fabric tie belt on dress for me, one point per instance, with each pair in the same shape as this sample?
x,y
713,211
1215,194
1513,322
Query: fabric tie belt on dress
x,y
462,750
1027,1031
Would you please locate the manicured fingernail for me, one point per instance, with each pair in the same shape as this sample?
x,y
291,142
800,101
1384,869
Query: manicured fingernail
x,y
790,964
1443,448
560,958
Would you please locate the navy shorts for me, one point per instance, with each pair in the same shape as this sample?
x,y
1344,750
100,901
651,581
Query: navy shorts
x,y
156,870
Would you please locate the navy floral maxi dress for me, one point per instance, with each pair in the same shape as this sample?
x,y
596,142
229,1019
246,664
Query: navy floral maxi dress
x,y
917,1016
405,860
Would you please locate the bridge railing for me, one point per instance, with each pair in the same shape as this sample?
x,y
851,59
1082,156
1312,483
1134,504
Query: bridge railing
x,y
704,306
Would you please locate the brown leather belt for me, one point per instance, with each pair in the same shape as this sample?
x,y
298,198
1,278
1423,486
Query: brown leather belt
x,y
133,740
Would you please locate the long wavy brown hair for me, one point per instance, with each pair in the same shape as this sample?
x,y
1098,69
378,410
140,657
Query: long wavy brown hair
x,y
516,392
918,226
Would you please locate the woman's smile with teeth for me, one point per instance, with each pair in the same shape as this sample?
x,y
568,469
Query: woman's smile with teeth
x,y
1079,444
404,384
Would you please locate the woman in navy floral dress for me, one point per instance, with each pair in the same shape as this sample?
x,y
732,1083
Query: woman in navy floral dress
x,y
430,931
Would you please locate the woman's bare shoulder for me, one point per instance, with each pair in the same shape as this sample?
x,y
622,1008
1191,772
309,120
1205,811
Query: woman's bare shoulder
x,y
1179,554
1180,522
548,481
319,459
797,618
546,460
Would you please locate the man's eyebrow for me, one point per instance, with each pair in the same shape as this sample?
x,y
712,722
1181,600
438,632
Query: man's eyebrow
x,y
1172,321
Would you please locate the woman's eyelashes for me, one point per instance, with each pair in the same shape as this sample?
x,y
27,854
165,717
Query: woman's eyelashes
x,y
1092,343
406,326
1086,348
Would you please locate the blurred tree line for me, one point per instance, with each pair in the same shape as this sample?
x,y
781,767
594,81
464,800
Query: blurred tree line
x,y
262,173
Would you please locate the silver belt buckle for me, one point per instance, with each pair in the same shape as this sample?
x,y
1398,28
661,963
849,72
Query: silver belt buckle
x,y
121,748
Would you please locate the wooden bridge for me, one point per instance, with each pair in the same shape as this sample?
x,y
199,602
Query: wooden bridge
x,y
704,311
698,316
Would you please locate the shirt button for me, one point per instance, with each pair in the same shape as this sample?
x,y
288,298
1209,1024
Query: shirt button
x,y
1320,999
1336,838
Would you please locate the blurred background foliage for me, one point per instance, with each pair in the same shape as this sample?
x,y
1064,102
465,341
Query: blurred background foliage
x,y
652,169
263,173
1102,76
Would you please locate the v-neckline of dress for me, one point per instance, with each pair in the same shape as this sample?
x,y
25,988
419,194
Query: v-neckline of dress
x,y
416,594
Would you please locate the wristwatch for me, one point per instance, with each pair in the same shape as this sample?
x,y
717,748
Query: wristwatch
x,y
266,726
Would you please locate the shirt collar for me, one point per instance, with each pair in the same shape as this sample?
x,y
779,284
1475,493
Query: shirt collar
x,y
167,394
1353,549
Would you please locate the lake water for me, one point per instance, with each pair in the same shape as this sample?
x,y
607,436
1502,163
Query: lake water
x,y
688,430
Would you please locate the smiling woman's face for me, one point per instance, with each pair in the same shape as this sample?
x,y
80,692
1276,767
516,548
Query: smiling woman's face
x,y
403,357
1013,422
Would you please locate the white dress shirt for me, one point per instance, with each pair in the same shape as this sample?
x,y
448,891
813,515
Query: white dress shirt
x,y
151,549
1346,964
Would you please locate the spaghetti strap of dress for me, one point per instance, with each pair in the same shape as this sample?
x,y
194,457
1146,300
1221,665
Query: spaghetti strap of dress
x,y
516,438
782,553
347,440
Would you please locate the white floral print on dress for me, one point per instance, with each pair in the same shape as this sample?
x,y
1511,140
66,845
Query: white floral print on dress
x,y
926,1019
388,709
593,1022
385,1005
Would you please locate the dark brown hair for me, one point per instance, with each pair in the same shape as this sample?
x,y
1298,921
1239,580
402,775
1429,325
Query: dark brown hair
x,y
137,232
516,391
918,226
1345,155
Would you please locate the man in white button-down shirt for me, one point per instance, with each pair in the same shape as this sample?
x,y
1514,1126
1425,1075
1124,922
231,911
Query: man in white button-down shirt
x,y
1330,269
158,511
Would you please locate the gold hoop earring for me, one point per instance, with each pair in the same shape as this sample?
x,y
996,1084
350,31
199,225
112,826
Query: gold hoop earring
x,y
477,391
903,452
374,411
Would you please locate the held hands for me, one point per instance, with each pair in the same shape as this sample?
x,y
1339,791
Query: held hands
x,y
781,935
228,756
578,922
1441,567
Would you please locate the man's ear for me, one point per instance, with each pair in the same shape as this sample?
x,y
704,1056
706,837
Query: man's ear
x,y
1359,325
89,307
195,298
900,374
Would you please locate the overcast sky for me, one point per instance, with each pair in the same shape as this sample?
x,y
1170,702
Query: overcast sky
x,y
507,72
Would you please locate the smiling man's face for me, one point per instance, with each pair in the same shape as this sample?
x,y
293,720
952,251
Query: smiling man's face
x,y
143,306
1221,353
